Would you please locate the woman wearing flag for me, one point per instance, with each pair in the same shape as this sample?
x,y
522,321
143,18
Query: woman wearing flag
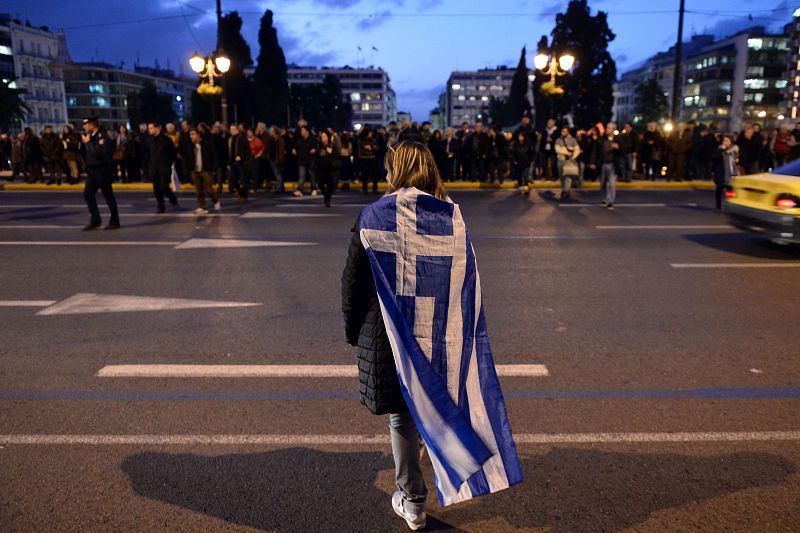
x,y
412,305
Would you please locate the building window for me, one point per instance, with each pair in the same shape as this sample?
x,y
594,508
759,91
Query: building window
x,y
97,88
755,44
755,84
5,50
456,86
780,84
100,101
72,101
355,97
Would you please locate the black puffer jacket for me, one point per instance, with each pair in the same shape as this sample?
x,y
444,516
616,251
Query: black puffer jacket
x,y
364,328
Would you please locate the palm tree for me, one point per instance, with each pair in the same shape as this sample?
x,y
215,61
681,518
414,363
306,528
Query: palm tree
x,y
13,108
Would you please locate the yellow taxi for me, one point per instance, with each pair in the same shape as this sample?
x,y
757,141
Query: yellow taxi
x,y
767,204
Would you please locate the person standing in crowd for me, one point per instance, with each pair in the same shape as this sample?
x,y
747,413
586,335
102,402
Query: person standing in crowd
x,y
5,151
142,146
521,156
437,148
480,152
426,132
239,154
652,151
498,154
98,152
53,152
254,165
567,151
220,143
122,143
548,160
531,134
782,146
324,167
32,155
367,157
604,157
627,151
204,166
305,148
696,152
452,146
275,150
464,163
18,158
185,152
679,144
725,168
749,150
161,156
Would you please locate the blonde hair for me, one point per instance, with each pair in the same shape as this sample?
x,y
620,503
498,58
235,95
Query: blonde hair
x,y
411,164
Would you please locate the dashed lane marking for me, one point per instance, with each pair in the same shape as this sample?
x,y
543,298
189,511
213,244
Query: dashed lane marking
x,y
792,264
274,371
90,303
666,226
384,440
236,243
27,303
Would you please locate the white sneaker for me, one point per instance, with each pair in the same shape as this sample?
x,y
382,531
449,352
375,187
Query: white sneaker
x,y
314,192
200,211
415,521
297,193
217,206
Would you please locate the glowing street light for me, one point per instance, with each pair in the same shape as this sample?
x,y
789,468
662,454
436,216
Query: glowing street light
x,y
553,66
209,68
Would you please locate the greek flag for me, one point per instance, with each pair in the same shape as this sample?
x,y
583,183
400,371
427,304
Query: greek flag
x,y
430,295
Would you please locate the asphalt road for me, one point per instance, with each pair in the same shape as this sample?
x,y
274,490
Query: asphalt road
x,y
670,341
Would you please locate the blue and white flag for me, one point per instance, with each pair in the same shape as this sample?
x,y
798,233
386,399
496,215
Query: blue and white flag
x,y
430,295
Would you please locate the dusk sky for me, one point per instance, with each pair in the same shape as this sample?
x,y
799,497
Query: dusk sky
x,y
418,42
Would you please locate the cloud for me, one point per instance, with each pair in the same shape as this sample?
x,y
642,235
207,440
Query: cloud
x,y
373,21
307,49
427,5
551,9
339,4
774,19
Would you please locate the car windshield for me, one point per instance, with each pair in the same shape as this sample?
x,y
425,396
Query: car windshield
x,y
789,169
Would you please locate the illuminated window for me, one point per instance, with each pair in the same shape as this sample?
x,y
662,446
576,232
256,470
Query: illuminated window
x,y
462,97
355,97
100,101
755,44
756,84
72,101
456,86
97,88
5,50
780,84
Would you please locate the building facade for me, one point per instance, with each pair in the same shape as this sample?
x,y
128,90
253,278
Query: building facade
x,y
28,61
742,78
468,93
368,90
101,90
791,96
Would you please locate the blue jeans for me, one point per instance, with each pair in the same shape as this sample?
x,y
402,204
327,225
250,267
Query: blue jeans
x,y
302,172
608,182
406,450
278,176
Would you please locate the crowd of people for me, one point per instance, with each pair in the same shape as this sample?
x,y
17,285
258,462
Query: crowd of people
x,y
248,158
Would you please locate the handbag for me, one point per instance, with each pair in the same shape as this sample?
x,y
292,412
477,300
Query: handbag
x,y
570,169
119,154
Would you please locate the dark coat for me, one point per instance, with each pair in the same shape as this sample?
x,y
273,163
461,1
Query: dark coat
x,y
304,147
161,154
208,154
98,153
364,328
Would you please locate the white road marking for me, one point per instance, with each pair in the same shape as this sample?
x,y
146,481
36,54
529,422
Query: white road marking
x,y
89,243
100,205
211,214
236,243
384,440
334,204
261,214
629,205
679,227
38,226
273,371
88,303
27,303
792,264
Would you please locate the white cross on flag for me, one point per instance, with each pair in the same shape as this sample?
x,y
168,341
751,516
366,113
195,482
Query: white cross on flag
x,y
429,290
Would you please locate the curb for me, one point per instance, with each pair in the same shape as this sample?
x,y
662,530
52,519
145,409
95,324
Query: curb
x,y
453,186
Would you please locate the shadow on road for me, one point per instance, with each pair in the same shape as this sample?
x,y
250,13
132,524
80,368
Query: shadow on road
x,y
300,489
745,244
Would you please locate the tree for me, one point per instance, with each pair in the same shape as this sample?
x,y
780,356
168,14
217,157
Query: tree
x,y
518,103
234,81
588,88
322,105
270,82
650,103
13,108
148,105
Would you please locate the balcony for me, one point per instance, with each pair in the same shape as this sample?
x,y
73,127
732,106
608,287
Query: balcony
x,y
34,55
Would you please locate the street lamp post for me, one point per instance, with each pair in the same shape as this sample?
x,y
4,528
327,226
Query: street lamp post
x,y
210,68
553,66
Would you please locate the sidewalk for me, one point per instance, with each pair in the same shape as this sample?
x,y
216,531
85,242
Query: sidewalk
x,y
452,186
